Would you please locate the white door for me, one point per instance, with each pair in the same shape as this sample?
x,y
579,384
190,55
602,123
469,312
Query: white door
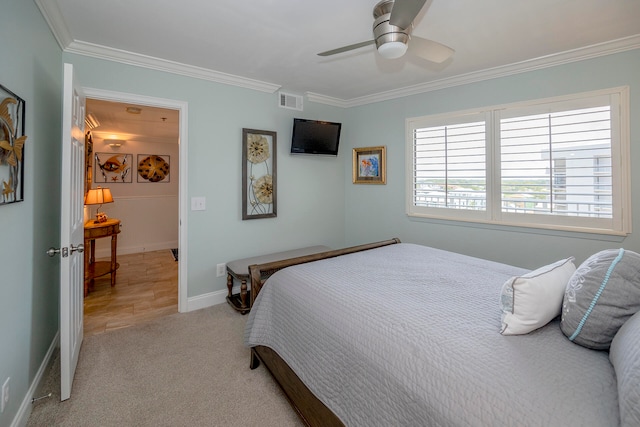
x,y
71,229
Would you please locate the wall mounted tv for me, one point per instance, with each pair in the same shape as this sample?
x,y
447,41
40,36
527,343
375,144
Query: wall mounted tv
x,y
315,137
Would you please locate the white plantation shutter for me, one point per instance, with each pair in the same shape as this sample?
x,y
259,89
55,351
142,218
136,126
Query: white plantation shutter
x,y
450,166
559,163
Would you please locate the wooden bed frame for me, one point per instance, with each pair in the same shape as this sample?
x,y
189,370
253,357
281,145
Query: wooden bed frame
x,y
310,409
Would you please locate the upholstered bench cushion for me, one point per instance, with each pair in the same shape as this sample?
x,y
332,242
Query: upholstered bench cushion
x,y
240,268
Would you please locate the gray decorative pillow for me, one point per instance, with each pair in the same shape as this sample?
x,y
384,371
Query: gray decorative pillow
x,y
625,358
601,295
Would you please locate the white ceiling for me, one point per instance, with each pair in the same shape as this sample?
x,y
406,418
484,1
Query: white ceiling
x,y
157,125
272,45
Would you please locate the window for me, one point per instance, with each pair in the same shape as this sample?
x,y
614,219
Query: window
x,y
558,163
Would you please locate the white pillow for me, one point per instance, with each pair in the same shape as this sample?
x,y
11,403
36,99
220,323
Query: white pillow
x,y
532,300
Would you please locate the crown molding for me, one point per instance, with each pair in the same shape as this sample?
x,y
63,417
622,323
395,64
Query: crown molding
x,y
327,100
575,55
51,13
130,58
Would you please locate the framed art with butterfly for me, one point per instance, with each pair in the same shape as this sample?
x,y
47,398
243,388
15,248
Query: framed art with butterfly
x,y
12,141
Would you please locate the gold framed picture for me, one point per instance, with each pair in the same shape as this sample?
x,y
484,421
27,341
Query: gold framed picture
x,y
370,165
12,142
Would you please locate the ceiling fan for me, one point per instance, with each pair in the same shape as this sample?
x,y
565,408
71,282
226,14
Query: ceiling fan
x,y
392,25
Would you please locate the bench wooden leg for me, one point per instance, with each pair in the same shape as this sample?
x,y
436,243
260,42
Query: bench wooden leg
x,y
243,294
229,284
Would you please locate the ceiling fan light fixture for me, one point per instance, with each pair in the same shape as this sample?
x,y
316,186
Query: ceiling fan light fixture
x,y
392,50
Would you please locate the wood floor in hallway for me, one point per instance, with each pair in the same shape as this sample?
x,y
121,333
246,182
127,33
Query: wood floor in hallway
x,y
146,288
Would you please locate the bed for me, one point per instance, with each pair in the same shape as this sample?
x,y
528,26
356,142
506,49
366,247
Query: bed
x,y
407,335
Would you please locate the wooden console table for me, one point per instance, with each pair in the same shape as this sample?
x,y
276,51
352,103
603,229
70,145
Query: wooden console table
x,y
93,269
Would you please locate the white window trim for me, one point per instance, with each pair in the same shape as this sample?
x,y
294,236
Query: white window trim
x,y
620,223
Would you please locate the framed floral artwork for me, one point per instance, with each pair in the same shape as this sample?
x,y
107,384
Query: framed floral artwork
x,y
12,141
153,168
258,174
113,168
370,165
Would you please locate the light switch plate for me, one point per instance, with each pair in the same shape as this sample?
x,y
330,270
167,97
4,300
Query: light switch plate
x,y
198,204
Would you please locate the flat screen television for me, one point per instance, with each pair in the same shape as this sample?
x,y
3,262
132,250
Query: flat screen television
x,y
315,137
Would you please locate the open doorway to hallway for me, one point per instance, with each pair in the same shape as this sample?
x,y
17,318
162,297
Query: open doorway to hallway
x,y
134,151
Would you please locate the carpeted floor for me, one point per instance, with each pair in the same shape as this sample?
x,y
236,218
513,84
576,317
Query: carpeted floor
x,y
186,369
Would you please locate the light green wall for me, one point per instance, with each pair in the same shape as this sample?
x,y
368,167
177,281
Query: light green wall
x,y
31,67
317,204
310,190
377,212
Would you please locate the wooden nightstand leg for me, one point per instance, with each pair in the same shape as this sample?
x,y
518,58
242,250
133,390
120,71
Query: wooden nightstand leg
x,y
92,252
243,294
114,261
87,253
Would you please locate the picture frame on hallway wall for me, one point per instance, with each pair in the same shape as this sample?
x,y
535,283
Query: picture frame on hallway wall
x,y
370,165
12,142
113,168
154,168
259,174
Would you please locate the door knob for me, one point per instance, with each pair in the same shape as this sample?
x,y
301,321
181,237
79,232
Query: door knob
x,y
63,251
52,251
79,248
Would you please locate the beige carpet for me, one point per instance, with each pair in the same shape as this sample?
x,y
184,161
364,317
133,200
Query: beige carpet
x,y
180,370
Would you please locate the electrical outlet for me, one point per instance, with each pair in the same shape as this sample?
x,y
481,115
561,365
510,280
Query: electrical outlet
x,y
5,395
221,269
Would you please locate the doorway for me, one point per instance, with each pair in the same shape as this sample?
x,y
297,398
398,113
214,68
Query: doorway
x,y
126,130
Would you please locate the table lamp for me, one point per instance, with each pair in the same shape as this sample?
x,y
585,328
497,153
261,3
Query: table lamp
x,y
98,196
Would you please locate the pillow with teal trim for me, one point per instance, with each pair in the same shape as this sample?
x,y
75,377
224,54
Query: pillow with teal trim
x,y
601,295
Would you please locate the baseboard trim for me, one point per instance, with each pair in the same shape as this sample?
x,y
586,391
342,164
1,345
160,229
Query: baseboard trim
x,y
206,300
106,253
22,417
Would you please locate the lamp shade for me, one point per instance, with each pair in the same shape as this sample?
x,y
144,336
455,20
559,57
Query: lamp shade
x,y
98,196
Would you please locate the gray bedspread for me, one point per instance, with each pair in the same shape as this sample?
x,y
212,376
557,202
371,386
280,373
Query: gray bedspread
x,y
407,335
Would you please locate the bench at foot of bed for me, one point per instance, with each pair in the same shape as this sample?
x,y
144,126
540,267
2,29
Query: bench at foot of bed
x,y
239,269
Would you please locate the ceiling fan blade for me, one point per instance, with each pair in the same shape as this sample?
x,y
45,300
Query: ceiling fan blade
x,y
404,12
429,50
346,48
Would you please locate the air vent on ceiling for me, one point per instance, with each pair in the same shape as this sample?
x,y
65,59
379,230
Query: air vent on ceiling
x,y
292,102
